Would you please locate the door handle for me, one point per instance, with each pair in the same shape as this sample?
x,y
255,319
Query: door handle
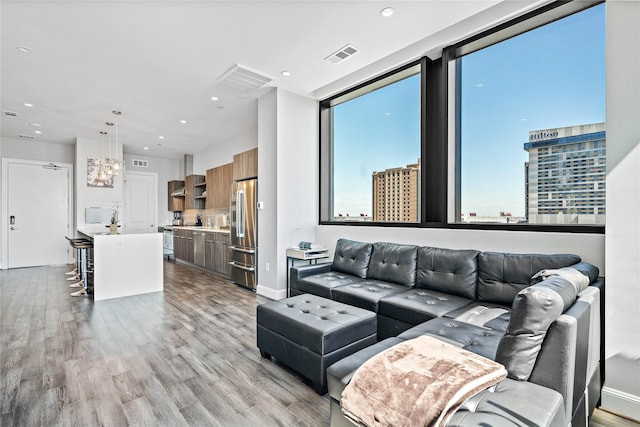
x,y
12,228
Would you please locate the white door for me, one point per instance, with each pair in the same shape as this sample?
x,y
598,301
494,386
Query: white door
x,y
140,201
38,214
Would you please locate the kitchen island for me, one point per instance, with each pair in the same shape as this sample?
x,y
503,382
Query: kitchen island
x,y
125,264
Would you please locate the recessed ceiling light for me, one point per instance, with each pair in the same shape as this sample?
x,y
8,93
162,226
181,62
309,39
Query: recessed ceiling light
x,y
116,112
103,132
183,121
386,12
214,98
161,137
146,148
37,131
24,49
109,123
286,73
26,104
35,124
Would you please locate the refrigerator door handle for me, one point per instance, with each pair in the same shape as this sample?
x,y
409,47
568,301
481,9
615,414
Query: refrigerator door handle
x,y
240,213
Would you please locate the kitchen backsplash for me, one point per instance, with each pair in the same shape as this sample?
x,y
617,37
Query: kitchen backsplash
x,y
213,218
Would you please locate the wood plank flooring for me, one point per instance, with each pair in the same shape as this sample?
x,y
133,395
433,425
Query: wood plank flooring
x,y
183,357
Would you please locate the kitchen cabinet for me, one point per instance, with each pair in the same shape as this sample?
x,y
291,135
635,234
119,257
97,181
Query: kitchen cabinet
x,y
194,188
219,181
175,203
217,252
245,165
183,244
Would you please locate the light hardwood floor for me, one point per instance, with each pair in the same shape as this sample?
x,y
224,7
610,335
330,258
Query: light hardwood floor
x,y
183,357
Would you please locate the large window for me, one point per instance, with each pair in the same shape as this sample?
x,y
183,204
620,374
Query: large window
x,y
374,150
530,129
505,130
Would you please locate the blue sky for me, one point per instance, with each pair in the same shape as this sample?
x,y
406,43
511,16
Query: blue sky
x,y
546,78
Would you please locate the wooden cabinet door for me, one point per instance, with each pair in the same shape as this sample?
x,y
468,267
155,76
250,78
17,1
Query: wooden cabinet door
x,y
209,255
219,181
245,165
222,258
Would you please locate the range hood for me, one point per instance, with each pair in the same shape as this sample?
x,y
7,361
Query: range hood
x,y
179,192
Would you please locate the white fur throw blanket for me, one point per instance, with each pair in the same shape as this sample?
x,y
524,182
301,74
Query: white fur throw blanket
x,y
420,382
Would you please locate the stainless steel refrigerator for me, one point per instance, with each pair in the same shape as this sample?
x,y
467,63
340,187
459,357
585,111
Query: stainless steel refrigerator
x,y
244,232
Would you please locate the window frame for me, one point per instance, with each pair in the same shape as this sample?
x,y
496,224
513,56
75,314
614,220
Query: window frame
x,y
439,133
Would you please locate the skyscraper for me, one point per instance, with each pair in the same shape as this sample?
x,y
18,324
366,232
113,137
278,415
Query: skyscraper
x,y
395,194
565,182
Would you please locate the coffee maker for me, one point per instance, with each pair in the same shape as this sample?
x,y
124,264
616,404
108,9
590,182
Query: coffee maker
x,y
177,218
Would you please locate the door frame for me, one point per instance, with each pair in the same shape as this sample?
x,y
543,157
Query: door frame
x,y
155,193
4,225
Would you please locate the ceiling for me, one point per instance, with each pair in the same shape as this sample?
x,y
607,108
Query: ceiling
x,y
159,62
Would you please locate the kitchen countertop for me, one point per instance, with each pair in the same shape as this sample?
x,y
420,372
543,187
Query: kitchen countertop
x,y
193,227
95,231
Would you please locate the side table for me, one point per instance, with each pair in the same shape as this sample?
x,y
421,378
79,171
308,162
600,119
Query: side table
x,y
311,255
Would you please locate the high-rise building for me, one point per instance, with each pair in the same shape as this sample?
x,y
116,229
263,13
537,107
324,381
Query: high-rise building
x,y
565,175
395,194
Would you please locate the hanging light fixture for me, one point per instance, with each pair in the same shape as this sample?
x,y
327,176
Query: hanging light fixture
x,y
116,164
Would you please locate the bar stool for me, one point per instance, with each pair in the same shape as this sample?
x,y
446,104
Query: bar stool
x,y
75,273
83,249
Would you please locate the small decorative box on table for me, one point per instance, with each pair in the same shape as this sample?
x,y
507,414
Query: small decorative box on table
x,y
309,333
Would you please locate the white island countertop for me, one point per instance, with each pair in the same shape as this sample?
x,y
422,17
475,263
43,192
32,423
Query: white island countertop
x,y
127,263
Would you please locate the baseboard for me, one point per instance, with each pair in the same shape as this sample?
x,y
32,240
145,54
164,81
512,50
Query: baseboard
x,y
274,294
620,402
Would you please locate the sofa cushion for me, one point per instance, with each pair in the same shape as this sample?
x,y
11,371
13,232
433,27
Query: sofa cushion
x,y
415,306
579,280
501,276
482,341
352,257
366,294
512,403
393,263
450,271
534,310
321,284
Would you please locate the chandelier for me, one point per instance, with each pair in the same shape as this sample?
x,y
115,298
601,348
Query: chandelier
x,y
110,165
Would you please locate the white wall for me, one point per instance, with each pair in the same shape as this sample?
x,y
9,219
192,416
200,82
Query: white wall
x,y
287,182
167,170
622,316
35,150
589,246
93,196
268,194
222,153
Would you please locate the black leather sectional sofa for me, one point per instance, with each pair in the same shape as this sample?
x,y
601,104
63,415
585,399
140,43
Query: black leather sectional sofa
x,y
539,315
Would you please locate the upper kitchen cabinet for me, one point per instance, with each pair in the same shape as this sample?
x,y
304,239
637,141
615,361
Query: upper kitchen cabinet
x,y
195,186
245,165
219,182
175,196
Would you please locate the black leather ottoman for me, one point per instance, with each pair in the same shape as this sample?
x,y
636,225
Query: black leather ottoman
x,y
309,333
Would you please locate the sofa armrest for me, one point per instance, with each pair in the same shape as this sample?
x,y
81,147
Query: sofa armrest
x,y
301,271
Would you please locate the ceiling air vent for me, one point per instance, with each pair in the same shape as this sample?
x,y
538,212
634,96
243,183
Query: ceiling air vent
x,y
240,80
20,135
342,54
9,113
141,163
